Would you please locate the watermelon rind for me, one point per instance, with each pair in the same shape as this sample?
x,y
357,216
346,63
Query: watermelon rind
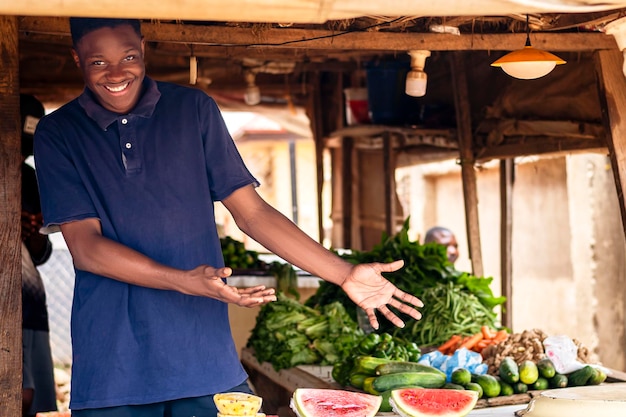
x,y
432,402
237,403
230,415
320,402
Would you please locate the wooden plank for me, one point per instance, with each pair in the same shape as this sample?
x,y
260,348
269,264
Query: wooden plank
x,y
612,92
507,172
277,387
539,145
614,375
468,174
10,202
290,379
293,38
319,11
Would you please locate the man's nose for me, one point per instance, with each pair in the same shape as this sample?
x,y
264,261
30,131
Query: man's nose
x,y
116,71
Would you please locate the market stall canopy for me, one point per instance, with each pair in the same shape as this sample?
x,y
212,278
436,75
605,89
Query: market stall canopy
x,y
282,46
298,11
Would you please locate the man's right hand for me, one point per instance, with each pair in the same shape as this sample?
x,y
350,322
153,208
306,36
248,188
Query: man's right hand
x,y
214,287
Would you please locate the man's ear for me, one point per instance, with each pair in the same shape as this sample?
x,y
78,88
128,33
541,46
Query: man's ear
x,y
75,56
143,47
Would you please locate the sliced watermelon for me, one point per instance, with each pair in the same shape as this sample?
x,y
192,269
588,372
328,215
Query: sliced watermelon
x,y
430,402
317,402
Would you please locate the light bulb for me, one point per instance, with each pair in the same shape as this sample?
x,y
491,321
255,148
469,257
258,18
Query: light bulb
x,y
193,70
528,70
528,63
416,78
252,95
416,83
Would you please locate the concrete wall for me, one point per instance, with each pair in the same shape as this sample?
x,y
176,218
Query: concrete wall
x,y
568,242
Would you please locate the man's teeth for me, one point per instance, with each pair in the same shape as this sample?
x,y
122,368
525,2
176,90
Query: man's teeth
x,y
118,88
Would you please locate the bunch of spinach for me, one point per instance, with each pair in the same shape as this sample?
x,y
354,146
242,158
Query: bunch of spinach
x,y
288,333
425,266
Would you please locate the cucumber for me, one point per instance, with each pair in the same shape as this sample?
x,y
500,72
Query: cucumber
x,y
450,385
461,376
546,368
402,379
473,386
581,377
506,389
520,388
528,372
489,384
540,384
558,381
508,370
367,364
598,378
357,380
385,406
395,367
368,385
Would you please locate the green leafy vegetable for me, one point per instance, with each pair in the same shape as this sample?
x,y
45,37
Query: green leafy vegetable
x,y
288,333
426,266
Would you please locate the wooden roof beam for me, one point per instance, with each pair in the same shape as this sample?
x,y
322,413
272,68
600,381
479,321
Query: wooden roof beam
x,y
220,35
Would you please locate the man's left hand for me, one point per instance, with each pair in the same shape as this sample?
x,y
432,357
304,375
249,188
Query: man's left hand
x,y
366,286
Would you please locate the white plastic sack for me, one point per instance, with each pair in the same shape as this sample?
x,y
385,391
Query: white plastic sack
x,y
563,353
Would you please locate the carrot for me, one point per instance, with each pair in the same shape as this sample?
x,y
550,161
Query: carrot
x,y
471,341
449,344
487,332
500,336
482,344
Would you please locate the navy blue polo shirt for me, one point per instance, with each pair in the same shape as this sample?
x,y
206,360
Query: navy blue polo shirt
x,y
151,178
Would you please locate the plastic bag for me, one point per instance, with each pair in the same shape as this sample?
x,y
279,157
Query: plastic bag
x,y
462,358
563,353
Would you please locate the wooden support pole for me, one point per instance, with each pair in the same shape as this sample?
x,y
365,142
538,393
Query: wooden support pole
x,y
468,174
389,185
612,92
10,204
315,115
347,184
507,174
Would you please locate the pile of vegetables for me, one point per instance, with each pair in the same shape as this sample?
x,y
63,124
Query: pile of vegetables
x,y
372,350
288,333
237,256
476,342
448,310
455,302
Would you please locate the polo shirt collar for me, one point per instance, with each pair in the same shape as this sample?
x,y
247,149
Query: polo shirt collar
x,y
103,117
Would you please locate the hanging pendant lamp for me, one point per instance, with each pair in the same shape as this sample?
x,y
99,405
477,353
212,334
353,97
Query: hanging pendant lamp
x,y
528,63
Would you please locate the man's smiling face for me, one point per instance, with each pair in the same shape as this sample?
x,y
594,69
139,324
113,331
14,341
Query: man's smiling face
x,y
112,63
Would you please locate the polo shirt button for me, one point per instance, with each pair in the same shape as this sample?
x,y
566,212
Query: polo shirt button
x,y
128,145
124,121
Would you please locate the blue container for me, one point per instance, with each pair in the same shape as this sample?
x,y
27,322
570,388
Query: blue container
x,y
386,98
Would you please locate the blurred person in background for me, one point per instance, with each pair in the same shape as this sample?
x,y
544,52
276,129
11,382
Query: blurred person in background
x,y
38,387
445,237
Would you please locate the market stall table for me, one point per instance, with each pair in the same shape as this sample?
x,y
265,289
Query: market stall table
x,y
277,387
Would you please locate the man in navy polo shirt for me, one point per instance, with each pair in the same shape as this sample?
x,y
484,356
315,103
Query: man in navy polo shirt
x,y
129,172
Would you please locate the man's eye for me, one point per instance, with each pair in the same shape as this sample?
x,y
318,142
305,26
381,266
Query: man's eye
x,y
97,63
130,58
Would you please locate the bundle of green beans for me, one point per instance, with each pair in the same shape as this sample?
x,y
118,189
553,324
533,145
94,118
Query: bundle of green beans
x,y
448,310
